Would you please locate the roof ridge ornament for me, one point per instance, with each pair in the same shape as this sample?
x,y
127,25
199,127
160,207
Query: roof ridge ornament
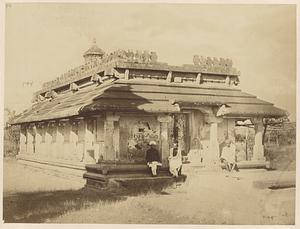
x,y
215,65
94,41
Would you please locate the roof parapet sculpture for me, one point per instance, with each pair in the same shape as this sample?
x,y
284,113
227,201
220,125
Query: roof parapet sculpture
x,y
215,65
119,55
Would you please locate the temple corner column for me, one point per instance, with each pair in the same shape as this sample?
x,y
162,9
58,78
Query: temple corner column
x,y
80,148
258,148
23,140
213,149
31,138
165,148
109,148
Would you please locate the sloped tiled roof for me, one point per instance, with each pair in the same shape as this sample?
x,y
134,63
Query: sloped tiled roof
x,y
146,96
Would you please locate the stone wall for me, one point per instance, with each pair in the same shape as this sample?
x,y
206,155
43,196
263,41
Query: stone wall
x,y
135,134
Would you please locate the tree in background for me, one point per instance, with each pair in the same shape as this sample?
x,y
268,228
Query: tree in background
x,y
11,134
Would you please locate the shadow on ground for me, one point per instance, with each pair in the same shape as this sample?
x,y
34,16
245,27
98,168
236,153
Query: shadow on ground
x,y
37,207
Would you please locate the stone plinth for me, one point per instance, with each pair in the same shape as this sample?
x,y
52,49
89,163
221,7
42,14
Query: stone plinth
x,y
117,174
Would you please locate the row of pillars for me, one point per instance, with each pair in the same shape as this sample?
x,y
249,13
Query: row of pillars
x,y
258,149
103,139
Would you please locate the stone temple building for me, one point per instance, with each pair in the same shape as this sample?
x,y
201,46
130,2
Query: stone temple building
x,y
104,112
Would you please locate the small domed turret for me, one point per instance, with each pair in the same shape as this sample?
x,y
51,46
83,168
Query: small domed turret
x,y
94,53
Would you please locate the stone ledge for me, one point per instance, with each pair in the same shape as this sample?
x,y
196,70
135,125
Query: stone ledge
x,y
251,165
59,163
120,168
130,181
286,182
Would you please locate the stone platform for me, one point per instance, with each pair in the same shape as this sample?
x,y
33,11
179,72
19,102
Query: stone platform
x,y
99,176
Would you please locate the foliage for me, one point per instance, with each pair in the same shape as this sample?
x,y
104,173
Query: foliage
x,y
11,136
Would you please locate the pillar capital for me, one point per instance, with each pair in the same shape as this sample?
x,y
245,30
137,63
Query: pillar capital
x,y
112,117
164,118
212,119
257,120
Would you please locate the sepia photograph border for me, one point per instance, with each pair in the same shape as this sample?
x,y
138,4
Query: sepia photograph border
x,y
45,225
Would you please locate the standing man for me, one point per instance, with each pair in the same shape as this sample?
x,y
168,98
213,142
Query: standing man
x,y
152,158
175,160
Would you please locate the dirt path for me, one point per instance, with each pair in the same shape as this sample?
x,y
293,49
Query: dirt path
x,y
34,195
206,198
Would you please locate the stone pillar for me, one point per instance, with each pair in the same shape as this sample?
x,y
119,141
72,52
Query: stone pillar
x,y
73,141
117,139
48,140
230,129
89,138
30,139
54,152
126,74
99,146
60,141
258,148
38,141
81,140
213,141
109,149
227,81
164,140
66,150
23,140
212,161
43,148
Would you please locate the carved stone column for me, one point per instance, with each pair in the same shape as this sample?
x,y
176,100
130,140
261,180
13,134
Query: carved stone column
x,y
30,139
109,149
23,141
60,141
89,138
54,153
43,148
213,149
38,141
99,149
164,140
48,139
231,131
74,138
81,140
66,130
258,148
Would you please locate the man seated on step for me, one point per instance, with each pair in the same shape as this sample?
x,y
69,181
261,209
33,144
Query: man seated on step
x,y
152,158
228,156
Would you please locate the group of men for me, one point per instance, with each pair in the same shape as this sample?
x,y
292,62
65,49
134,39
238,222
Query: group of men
x,y
175,159
227,157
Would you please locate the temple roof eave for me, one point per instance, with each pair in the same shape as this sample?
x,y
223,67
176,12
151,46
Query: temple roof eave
x,y
119,96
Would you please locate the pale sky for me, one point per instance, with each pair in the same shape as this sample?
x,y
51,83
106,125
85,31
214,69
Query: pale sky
x,y
46,39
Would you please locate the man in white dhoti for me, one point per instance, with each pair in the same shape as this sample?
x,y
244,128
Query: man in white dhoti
x,y
175,160
152,158
228,156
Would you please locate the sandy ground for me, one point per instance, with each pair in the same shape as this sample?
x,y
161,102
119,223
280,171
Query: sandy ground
x,y
205,198
19,177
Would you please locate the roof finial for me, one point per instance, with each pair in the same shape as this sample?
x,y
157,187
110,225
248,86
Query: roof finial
x,y
94,41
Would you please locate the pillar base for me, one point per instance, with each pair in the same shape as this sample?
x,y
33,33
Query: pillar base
x,y
258,153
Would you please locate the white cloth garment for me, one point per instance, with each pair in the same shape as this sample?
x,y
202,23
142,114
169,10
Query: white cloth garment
x,y
175,162
228,153
153,165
